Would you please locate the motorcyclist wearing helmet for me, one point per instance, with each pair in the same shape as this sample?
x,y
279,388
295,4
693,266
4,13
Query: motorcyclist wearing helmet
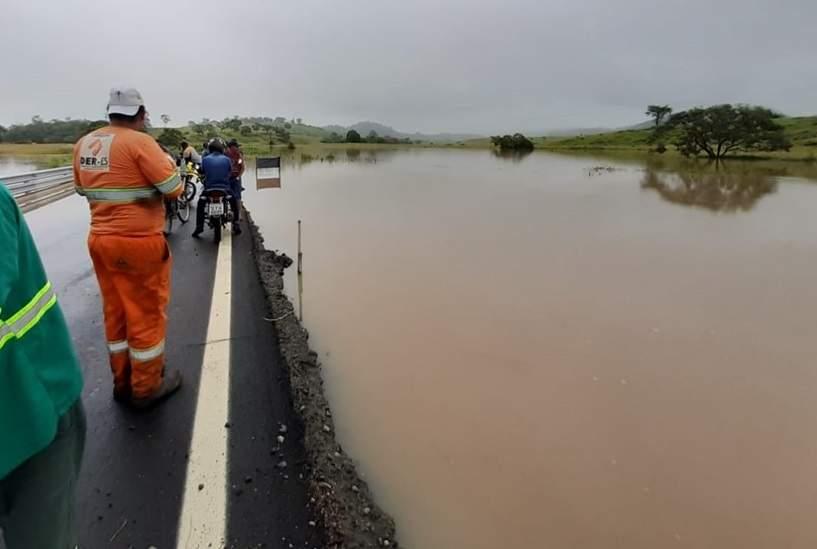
x,y
216,168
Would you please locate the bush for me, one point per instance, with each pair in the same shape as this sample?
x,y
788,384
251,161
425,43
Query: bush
x,y
334,137
515,142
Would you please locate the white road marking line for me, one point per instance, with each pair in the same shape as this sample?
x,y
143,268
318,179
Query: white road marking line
x,y
203,520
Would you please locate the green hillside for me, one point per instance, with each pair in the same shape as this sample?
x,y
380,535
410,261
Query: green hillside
x,y
802,131
260,134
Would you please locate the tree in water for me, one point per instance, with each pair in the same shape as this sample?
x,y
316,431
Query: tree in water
x,y
515,142
723,129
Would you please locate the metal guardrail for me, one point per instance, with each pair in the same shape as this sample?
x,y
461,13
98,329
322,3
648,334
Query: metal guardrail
x,y
34,189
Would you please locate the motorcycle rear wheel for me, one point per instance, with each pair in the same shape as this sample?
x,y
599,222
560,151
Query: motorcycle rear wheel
x,y
217,232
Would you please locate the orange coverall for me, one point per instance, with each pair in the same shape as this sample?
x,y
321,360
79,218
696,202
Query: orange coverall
x,y
124,174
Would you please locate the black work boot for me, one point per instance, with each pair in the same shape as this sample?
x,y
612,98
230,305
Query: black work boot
x,y
170,384
122,394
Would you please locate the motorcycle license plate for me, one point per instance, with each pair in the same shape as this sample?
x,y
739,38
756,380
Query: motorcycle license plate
x,y
216,209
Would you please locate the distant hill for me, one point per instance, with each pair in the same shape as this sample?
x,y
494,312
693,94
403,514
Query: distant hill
x,y
573,132
364,128
570,132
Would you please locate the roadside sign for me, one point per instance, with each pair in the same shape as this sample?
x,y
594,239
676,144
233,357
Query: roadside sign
x,y
268,172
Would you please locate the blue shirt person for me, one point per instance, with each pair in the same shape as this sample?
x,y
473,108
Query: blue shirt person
x,y
216,168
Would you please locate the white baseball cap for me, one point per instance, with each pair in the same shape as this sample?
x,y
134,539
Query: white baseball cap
x,y
125,101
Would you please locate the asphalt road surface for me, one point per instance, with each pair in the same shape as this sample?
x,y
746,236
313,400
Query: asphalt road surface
x,y
214,460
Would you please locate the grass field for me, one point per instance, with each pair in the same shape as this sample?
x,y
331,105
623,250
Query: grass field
x,y
43,156
34,149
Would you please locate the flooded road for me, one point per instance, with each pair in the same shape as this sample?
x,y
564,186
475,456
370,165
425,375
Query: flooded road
x,y
567,352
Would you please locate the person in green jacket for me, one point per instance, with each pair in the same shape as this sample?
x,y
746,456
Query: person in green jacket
x,y
42,422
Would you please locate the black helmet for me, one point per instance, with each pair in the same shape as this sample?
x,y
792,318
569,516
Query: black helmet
x,y
233,143
216,145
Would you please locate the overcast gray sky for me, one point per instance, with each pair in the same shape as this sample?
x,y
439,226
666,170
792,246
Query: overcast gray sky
x,y
425,65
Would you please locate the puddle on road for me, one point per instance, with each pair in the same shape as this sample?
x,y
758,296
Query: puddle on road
x,y
522,353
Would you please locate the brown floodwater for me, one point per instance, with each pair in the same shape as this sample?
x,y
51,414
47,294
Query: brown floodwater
x,y
12,165
565,351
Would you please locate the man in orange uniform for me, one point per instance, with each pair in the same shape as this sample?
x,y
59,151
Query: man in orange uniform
x,y
124,175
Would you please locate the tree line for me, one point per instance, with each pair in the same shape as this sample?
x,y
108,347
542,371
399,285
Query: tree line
x,y
714,132
274,130
353,136
69,130
51,131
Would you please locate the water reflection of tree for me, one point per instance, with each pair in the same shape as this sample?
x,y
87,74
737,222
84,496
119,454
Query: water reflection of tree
x,y
512,156
715,188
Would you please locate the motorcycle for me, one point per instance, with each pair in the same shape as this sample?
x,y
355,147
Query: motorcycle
x,y
191,177
217,212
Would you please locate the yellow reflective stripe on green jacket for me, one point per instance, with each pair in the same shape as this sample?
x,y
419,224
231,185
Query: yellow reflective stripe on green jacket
x,y
27,317
170,184
119,195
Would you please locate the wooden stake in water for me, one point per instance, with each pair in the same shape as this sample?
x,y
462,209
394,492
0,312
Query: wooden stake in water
x,y
300,254
301,297
300,276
